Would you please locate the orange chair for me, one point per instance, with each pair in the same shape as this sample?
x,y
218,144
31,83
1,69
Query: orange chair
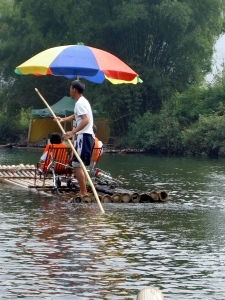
x,y
61,157
56,163
96,153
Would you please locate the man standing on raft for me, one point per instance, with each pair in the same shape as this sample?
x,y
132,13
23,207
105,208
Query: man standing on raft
x,y
83,131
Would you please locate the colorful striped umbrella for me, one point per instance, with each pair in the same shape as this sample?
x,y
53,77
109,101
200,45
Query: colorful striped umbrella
x,y
80,61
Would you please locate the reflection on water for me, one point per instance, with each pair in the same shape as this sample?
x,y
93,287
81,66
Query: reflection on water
x,y
55,250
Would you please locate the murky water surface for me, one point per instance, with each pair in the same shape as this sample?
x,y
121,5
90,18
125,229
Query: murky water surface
x,y
54,250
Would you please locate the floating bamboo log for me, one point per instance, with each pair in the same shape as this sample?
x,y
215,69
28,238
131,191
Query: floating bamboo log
x,y
77,198
163,196
100,197
154,195
135,197
87,198
106,198
125,197
116,198
145,198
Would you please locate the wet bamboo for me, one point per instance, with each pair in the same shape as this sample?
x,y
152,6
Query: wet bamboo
x,y
74,151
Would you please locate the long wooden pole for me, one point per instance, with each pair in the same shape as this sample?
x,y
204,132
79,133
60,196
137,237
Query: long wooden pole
x,y
74,151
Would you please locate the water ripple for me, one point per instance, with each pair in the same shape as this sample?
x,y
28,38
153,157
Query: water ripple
x,y
55,250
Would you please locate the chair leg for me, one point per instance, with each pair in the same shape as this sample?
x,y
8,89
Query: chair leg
x,y
55,186
35,176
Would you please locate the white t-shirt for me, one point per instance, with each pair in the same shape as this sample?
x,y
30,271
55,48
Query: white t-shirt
x,y
83,107
44,156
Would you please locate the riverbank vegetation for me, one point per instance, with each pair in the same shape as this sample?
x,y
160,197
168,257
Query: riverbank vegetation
x,y
168,43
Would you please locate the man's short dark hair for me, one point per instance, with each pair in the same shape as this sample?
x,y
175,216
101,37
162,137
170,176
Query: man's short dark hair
x,y
55,138
78,85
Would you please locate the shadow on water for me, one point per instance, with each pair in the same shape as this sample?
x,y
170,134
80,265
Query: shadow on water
x,y
52,250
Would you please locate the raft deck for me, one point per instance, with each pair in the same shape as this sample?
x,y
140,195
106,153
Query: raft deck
x,y
24,177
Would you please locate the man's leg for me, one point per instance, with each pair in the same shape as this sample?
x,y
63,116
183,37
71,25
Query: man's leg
x,y
84,145
81,178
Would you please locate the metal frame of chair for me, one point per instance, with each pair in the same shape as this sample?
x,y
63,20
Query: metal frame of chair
x,y
96,153
100,176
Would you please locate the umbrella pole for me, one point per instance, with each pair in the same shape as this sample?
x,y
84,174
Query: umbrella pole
x,y
74,151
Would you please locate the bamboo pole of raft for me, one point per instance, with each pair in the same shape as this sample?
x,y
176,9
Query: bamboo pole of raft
x,y
74,151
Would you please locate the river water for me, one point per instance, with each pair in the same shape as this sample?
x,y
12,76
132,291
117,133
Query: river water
x,y
55,250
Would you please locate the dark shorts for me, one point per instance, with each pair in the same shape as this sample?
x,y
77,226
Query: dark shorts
x,y
84,147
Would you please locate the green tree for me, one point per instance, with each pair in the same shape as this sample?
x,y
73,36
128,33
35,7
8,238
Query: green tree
x,y
155,133
168,42
206,136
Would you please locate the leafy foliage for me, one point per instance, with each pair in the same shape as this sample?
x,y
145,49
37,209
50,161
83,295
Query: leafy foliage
x,y
156,133
168,42
206,136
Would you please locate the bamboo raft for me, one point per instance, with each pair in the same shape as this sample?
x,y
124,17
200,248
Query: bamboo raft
x,y
24,176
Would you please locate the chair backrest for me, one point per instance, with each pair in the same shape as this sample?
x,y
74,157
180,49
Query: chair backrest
x,y
96,152
61,155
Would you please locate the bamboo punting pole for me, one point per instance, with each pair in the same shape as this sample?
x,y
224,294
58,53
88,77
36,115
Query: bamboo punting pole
x,y
100,197
74,151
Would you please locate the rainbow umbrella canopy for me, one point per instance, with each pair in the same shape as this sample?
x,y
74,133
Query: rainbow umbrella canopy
x,y
80,61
